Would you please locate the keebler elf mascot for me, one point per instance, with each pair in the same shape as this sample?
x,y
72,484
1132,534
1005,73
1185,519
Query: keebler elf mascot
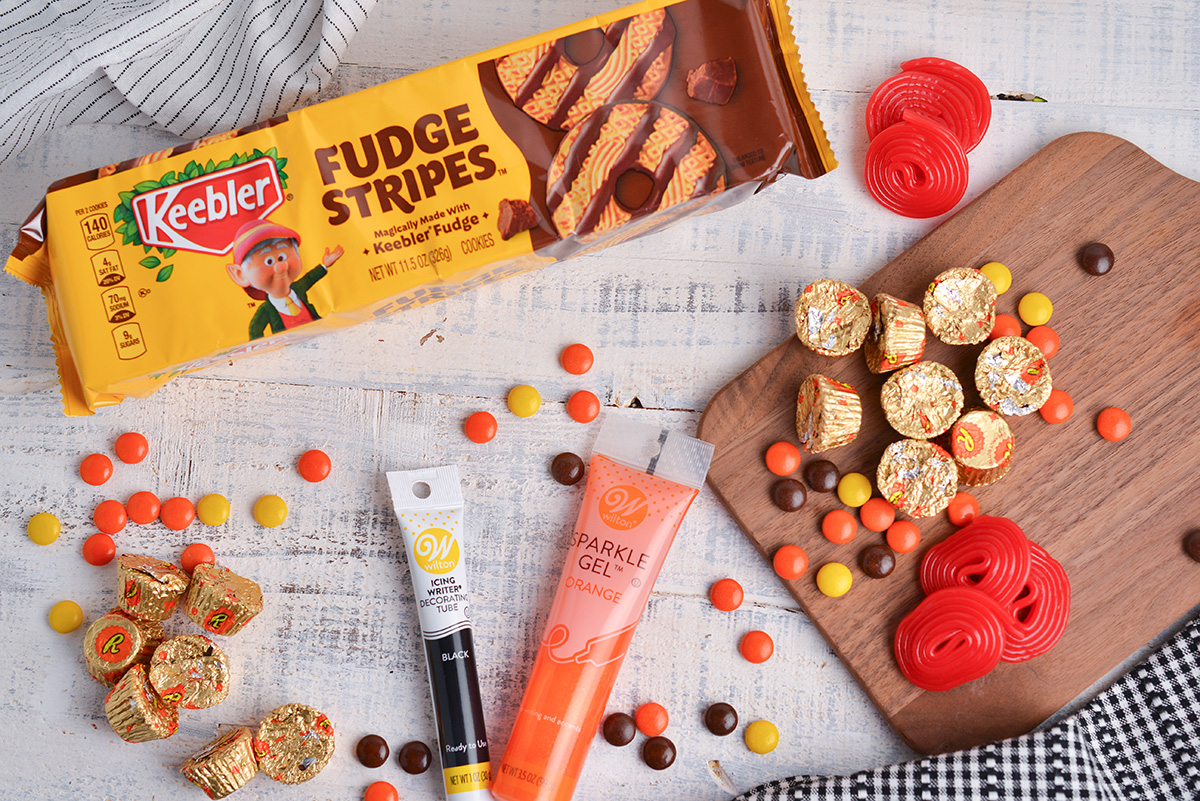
x,y
267,265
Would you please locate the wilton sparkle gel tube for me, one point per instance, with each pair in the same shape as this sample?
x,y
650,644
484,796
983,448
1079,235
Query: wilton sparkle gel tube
x,y
640,483
429,504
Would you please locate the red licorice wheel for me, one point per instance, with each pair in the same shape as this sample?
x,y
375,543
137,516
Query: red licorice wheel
x,y
990,554
1040,610
954,636
917,167
969,82
941,99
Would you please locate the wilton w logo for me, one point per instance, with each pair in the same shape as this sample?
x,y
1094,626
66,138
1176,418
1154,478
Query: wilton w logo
x,y
623,507
436,551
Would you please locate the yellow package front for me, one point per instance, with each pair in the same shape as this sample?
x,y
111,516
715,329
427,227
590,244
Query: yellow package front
x,y
415,190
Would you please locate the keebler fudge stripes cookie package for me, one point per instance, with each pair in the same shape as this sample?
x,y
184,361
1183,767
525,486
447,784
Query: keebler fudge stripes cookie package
x,y
415,190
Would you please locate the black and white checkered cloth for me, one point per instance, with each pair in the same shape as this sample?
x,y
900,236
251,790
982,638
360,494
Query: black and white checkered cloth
x,y
1139,740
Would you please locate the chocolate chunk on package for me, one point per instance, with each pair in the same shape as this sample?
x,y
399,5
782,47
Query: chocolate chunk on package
x,y
415,190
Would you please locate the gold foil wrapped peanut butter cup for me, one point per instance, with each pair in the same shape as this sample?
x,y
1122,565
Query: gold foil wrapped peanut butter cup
x,y
981,442
135,712
149,588
220,601
922,400
293,743
1013,376
832,317
828,413
116,641
224,765
190,671
897,335
917,477
960,306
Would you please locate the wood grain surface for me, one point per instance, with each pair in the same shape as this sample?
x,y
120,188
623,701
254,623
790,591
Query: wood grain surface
x,y
672,319
1114,514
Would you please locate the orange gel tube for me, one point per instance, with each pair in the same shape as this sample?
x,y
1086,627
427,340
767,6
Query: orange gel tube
x,y
641,482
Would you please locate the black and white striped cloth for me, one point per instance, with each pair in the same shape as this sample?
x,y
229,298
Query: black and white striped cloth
x,y
1139,740
192,67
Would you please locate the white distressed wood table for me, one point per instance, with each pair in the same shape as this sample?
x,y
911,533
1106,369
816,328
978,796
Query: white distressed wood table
x,y
671,319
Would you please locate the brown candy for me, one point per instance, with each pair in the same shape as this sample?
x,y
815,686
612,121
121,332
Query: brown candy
x,y
721,719
713,81
567,469
516,216
294,743
1097,258
116,642
220,601
149,588
877,561
372,751
190,671
1191,544
788,494
659,753
136,714
414,757
822,475
619,728
224,765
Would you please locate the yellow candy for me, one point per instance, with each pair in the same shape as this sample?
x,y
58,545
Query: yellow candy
x,y
854,489
1035,308
270,511
213,509
762,737
834,579
998,274
44,528
65,617
524,401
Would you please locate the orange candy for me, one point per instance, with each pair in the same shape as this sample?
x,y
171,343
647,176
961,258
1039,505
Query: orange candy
x,y
1114,424
131,447
177,513
757,646
651,719
1006,326
99,550
95,469
903,536
1045,339
381,791
314,466
143,507
783,458
726,595
195,554
110,516
576,359
963,509
1057,408
877,514
839,526
790,562
583,406
480,427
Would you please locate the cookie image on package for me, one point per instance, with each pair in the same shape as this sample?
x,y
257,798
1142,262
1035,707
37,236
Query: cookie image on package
x,y
628,160
559,83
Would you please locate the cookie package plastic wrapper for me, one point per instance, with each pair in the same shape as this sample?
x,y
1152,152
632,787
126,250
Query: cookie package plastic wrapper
x,y
223,765
415,190
294,743
641,481
429,504
149,588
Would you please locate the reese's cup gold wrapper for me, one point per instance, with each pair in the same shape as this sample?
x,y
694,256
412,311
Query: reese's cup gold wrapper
x,y
981,442
220,601
896,337
293,743
960,306
117,641
922,400
1013,376
149,588
917,477
832,317
828,414
224,765
190,671
415,190
135,712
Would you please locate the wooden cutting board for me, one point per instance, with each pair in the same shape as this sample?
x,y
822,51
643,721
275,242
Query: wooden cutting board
x,y
1114,514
